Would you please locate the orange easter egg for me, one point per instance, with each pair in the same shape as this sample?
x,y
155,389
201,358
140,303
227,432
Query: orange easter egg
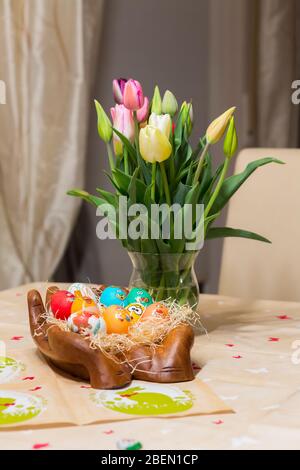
x,y
84,305
117,319
156,310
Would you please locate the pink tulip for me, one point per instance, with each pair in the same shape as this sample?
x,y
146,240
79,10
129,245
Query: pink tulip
x,y
133,97
143,112
123,122
118,89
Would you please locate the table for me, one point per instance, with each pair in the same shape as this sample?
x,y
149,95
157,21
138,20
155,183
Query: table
x,y
249,357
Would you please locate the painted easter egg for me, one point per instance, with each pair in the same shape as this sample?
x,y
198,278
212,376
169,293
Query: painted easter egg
x,y
117,319
84,305
112,295
138,296
79,322
100,288
84,290
61,304
156,310
135,311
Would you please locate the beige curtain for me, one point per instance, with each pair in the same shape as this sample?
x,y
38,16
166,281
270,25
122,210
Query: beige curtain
x,y
277,122
253,60
46,61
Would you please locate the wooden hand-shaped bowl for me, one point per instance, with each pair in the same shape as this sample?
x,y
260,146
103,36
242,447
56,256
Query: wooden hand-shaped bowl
x,y
71,352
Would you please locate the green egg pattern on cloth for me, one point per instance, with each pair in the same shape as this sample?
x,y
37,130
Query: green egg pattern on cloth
x,y
9,368
150,399
16,407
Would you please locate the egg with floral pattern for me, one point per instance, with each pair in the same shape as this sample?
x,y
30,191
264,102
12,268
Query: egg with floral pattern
x,y
86,322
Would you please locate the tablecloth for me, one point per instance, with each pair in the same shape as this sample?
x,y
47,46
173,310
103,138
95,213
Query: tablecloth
x,y
249,356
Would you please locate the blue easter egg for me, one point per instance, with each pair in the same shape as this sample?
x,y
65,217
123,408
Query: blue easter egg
x,y
112,295
138,296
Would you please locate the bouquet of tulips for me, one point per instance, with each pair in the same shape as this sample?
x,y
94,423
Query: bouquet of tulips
x,y
152,162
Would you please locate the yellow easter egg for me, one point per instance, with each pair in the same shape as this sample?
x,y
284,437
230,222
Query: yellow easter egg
x,y
135,311
117,319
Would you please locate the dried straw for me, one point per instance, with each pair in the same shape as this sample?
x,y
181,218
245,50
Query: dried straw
x,y
149,332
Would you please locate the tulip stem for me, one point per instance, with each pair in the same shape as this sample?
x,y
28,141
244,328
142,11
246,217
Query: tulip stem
x,y
153,181
165,182
110,156
200,164
218,187
125,161
136,135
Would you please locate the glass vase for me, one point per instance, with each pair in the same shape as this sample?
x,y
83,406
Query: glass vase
x,y
166,276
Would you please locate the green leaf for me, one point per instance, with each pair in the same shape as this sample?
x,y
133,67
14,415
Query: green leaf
x,y
133,155
130,148
206,176
109,197
179,129
221,232
115,185
233,183
184,171
132,187
210,219
193,194
123,181
96,201
181,192
147,198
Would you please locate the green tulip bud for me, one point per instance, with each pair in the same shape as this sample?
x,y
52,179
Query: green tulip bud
x,y
230,141
156,101
169,104
104,125
187,116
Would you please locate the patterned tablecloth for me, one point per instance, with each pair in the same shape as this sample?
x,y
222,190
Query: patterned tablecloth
x,y
250,357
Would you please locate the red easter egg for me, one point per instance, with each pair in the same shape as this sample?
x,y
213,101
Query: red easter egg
x,y
61,304
156,310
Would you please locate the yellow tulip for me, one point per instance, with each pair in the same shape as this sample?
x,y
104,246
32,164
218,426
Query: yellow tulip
x,y
218,126
154,145
162,122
